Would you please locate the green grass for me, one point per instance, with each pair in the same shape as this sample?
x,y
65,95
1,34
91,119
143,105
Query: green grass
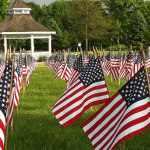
x,y
36,128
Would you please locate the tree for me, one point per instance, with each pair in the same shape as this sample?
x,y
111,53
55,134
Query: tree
x,y
3,6
47,20
35,8
137,28
123,11
89,23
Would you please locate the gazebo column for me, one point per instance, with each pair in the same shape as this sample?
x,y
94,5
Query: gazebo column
x,y
5,45
50,44
10,44
32,45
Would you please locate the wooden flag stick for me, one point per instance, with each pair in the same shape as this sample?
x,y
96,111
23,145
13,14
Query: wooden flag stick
x,y
7,127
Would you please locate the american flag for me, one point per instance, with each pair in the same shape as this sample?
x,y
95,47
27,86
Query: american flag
x,y
68,70
107,68
17,81
2,66
56,65
24,68
88,90
3,103
148,59
129,63
123,71
126,114
115,66
103,60
10,99
136,66
77,69
60,68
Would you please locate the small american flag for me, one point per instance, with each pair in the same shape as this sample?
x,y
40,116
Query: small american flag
x,y
77,69
17,81
115,66
136,66
148,59
123,71
3,103
88,90
126,114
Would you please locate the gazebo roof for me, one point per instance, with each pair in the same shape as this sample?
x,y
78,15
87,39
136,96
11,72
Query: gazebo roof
x,y
18,4
20,21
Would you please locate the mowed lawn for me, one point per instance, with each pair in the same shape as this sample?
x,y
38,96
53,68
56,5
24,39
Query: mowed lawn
x,y
36,128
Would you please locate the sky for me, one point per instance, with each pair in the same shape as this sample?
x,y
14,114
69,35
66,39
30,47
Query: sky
x,y
41,2
46,2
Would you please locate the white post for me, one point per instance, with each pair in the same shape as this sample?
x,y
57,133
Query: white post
x,y
5,46
50,45
32,45
10,44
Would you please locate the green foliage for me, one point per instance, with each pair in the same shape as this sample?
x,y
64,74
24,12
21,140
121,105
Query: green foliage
x,y
19,43
42,58
3,6
137,28
35,8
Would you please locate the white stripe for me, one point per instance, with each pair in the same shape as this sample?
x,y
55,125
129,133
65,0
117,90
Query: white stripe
x,y
107,130
131,118
67,94
80,109
81,100
74,96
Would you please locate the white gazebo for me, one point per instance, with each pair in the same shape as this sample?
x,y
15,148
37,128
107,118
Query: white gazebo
x,y
19,24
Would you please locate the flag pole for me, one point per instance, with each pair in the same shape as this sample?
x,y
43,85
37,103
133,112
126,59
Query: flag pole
x,y
144,61
103,72
12,71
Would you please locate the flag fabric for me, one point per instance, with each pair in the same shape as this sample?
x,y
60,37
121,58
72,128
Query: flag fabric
x,y
115,66
17,81
136,66
123,71
77,69
129,63
148,59
69,65
2,66
126,114
60,68
3,103
107,68
103,60
88,90
10,99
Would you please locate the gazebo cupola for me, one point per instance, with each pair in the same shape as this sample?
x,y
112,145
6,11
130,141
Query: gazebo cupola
x,y
19,24
18,7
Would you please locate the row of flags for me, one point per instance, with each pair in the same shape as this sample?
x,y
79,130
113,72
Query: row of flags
x,y
14,74
123,115
116,65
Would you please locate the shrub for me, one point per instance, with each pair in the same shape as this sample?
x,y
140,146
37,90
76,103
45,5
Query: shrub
x,y
42,58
